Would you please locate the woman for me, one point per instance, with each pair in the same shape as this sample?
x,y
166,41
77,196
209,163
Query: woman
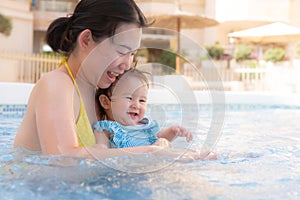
x,y
99,41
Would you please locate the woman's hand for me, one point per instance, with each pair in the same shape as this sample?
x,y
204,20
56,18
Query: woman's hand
x,y
182,155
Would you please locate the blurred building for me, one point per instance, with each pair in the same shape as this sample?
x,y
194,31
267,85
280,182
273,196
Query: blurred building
x,y
31,18
21,37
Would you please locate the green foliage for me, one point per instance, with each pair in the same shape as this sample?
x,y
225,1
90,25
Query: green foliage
x,y
253,63
297,50
275,54
216,51
5,25
243,52
167,58
142,53
51,53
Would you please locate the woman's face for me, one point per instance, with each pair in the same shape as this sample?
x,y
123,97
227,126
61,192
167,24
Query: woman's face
x,y
124,43
112,56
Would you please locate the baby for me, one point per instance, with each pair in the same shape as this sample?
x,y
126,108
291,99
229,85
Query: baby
x,y
122,109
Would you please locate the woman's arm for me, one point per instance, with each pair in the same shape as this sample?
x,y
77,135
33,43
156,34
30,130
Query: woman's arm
x,y
56,108
100,153
102,138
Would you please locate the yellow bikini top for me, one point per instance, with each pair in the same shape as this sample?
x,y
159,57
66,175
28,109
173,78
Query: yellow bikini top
x,y
83,127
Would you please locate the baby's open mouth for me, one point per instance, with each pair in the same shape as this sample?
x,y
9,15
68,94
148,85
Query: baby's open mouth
x,y
133,114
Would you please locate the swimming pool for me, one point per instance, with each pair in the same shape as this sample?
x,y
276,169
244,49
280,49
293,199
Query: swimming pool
x,y
259,158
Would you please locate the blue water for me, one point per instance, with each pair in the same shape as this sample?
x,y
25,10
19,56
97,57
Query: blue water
x,y
259,158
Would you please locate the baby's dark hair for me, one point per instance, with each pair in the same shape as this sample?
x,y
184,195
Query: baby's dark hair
x,y
108,91
101,17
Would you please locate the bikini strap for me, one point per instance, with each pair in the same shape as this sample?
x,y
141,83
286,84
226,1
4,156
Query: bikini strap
x,y
84,129
64,62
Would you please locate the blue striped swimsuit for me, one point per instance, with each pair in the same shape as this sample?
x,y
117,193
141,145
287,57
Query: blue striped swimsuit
x,y
129,136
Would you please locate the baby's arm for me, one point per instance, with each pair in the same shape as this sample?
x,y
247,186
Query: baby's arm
x,y
172,132
102,138
162,142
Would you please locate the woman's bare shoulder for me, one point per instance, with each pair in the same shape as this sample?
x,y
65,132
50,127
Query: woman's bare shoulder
x,y
56,76
57,79
53,84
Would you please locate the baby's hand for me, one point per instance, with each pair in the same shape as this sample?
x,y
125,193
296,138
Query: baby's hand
x,y
182,132
162,142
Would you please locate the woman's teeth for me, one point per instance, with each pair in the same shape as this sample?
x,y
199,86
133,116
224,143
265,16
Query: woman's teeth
x,y
114,74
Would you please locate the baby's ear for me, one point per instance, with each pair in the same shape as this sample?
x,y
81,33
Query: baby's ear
x,y
104,101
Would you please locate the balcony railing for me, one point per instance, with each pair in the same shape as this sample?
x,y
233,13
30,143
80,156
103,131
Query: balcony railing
x,y
29,69
55,6
26,68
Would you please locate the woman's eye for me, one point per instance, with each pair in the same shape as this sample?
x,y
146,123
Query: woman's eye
x,y
125,53
133,53
121,53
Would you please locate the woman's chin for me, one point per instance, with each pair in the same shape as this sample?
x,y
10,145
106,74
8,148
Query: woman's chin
x,y
104,85
106,81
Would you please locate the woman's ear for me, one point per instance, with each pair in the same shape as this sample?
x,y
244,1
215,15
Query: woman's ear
x,y
85,38
104,101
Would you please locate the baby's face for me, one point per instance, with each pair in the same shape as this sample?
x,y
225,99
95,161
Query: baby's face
x,y
129,101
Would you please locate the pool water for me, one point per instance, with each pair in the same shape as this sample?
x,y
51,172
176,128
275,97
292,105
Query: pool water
x,y
259,158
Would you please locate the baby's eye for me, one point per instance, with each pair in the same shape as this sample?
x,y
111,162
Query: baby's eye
x,y
129,98
143,100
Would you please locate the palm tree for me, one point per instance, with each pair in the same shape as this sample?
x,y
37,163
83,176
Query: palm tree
x,y
5,25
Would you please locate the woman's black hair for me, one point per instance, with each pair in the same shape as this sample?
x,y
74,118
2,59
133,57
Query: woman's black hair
x,y
102,17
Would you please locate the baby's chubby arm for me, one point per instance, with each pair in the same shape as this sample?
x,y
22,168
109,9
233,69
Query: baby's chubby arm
x,y
172,132
162,142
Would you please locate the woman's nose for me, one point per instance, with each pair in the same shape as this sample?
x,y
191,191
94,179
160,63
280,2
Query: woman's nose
x,y
127,61
124,66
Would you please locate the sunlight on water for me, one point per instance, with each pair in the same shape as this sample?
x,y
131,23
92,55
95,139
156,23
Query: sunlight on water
x,y
259,158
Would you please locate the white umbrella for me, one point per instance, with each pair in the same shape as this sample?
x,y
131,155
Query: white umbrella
x,y
271,33
176,19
